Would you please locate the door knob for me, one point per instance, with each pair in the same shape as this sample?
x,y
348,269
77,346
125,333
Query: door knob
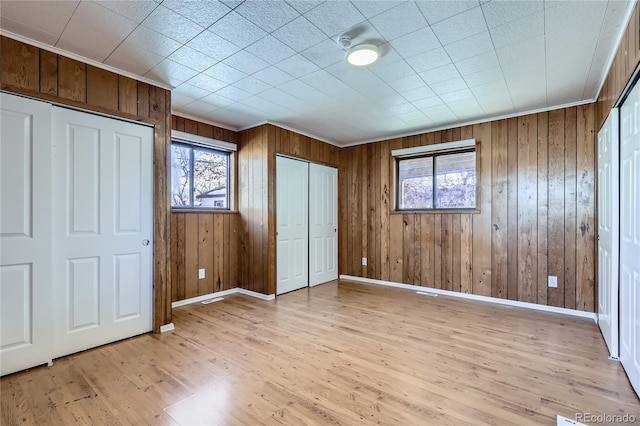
x,y
145,242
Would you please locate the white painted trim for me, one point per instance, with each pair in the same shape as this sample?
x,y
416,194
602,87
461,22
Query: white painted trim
x,y
167,327
203,298
204,120
222,294
468,123
495,300
256,294
436,147
204,141
88,61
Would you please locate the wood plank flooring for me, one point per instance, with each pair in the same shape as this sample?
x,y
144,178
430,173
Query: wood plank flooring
x,y
341,353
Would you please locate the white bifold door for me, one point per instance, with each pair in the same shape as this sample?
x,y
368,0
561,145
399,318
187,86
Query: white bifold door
x,y
630,237
323,224
75,231
102,230
306,224
292,224
25,234
608,231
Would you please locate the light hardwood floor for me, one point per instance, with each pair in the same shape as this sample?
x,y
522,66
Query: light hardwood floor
x,y
340,353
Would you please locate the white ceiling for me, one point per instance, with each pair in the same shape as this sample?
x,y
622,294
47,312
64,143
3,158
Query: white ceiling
x,y
242,63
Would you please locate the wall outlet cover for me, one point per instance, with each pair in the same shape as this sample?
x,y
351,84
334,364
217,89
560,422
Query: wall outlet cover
x,y
553,281
200,274
364,261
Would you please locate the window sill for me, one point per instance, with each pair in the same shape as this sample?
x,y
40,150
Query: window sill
x,y
217,211
476,211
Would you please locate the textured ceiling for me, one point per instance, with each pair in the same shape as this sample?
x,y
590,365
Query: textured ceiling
x,y
242,63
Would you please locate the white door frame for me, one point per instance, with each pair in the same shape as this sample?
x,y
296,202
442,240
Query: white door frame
x,y
292,224
323,224
608,231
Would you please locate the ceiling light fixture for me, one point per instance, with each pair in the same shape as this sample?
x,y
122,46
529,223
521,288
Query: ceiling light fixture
x,y
360,55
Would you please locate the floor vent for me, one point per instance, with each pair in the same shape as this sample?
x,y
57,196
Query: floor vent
x,y
427,293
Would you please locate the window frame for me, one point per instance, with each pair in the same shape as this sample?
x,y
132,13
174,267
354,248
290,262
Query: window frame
x,y
434,154
192,148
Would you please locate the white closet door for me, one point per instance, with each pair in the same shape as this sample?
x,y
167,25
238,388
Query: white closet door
x,y
630,238
292,224
102,230
25,233
323,224
608,231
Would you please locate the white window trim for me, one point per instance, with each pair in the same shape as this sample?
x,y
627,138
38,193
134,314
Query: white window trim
x,y
467,143
205,142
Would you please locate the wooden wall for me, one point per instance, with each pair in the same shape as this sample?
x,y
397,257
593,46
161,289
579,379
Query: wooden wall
x,y
256,196
38,73
625,62
537,210
203,239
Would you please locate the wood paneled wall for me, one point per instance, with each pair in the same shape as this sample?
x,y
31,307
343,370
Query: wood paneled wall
x,y
256,196
38,73
625,62
537,210
205,239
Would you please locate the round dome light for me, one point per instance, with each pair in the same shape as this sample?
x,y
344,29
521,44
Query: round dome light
x,y
363,55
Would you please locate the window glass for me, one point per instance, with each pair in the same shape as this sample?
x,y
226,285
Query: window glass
x,y
180,176
416,183
438,181
456,181
199,177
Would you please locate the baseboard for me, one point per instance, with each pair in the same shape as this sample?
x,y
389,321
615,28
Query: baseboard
x,y
256,294
204,297
167,327
222,294
515,303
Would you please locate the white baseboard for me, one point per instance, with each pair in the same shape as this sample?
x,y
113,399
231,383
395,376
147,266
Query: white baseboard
x,y
203,298
427,290
222,294
256,294
167,327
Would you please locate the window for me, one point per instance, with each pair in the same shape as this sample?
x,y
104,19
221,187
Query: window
x,y
199,177
439,181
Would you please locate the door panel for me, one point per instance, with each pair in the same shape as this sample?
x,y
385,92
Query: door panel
x,y
25,233
103,197
292,227
608,231
630,238
323,229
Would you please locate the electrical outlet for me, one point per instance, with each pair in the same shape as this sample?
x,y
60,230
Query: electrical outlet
x,y
553,281
364,261
200,274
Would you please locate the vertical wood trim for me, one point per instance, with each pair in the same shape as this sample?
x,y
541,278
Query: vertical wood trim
x,y
527,206
543,206
72,79
499,211
191,256
20,65
586,205
512,209
556,222
570,187
48,73
102,88
482,221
